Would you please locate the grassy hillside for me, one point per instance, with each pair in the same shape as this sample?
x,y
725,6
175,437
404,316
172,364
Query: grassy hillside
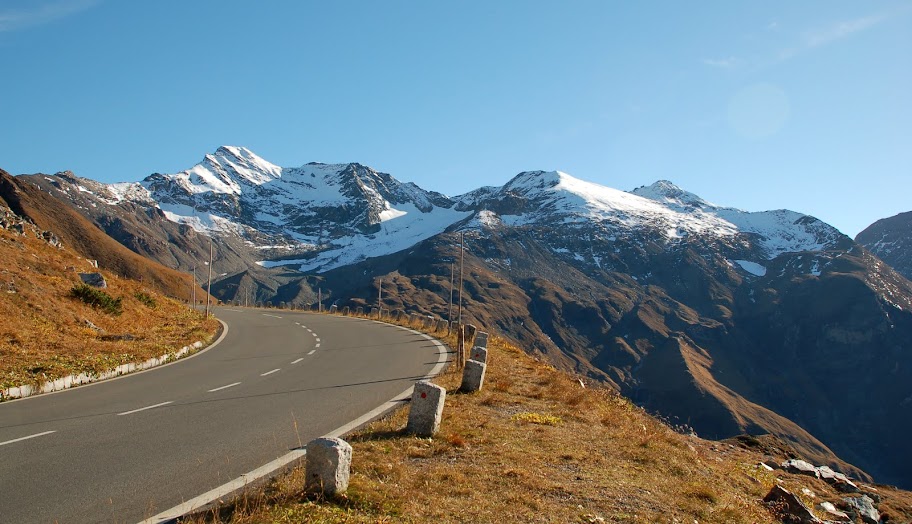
x,y
536,446
47,332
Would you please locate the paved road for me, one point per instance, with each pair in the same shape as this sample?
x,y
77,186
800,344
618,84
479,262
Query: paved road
x,y
127,449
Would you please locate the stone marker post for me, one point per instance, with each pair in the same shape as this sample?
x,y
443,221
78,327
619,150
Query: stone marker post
x,y
374,313
333,309
328,466
346,310
473,376
426,409
470,331
479,354
359,310
481,339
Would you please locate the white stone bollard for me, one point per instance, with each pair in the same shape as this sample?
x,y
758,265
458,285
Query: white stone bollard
x,y
479,354
473,376
328,466
426,409
481,339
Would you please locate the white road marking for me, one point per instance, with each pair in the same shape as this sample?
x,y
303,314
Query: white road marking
x,y
314,334
298,323
269,372
145,408
298,360
318,340
317,344
224,387
312,351
26,438
296,454
273,316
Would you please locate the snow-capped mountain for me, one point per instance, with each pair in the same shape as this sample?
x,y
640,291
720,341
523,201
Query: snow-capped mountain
x,y
733,321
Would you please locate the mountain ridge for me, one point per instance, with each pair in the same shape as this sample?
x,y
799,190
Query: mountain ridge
x,y
597,280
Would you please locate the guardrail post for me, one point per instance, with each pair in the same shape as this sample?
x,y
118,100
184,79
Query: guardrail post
x,y
473,376
328,466
426,409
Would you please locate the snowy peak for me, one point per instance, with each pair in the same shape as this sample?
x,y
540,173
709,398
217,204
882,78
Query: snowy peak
x,y
666,192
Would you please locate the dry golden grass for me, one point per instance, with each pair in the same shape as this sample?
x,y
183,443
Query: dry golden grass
x,y
532,446
44,334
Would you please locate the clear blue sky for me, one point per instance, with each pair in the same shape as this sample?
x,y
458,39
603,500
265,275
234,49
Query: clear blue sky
x,y
758,105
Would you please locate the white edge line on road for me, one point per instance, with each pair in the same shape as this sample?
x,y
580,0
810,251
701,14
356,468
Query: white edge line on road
x,y
298,360
270,372
26,438
312,351
223,387
275,465
145,408
134,373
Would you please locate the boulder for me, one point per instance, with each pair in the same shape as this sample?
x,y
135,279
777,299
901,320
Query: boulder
x,y
801,467
93,279
863,506
789,508
833,514
837,480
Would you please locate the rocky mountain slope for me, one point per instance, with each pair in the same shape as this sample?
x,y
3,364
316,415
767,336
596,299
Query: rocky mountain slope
x,y
725,320
891,240
73,229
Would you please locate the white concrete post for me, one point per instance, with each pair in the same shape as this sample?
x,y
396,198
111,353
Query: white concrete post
x,y
479,354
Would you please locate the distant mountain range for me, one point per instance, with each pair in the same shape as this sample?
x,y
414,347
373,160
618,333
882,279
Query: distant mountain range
x,y
722,319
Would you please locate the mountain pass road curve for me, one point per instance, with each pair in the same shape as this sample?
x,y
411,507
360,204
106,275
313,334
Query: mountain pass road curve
x,y
128,449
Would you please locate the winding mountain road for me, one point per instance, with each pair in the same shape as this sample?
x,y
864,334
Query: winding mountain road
x,y
136,447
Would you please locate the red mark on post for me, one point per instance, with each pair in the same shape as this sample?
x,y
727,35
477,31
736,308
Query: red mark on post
x,y
424,395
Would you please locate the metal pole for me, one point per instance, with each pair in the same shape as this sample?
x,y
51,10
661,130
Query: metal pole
x,y
209,285
461,341
193,286
319,300
452,285
461,272
380,297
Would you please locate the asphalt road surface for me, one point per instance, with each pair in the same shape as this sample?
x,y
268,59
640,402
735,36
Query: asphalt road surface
x,y
127,449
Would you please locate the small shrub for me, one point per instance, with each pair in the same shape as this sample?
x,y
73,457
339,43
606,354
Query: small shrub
x,y
146,299
97,299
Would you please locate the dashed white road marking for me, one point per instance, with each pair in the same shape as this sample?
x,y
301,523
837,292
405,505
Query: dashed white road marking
x,y
317,344
273,316
298,360
312,351
298,323
224,387
269,372
314,334
20,439
145,408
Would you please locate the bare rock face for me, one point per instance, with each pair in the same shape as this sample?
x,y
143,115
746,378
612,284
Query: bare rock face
x,y
94,280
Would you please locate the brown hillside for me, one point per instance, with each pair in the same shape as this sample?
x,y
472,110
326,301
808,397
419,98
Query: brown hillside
x,y
48,213
48,333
